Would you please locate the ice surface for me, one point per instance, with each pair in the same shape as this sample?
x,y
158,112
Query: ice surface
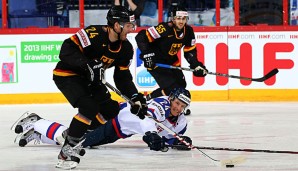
x,y
271,126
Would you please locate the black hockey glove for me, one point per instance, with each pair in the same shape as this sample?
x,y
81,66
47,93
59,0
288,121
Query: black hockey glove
x,y
154,141
140,106
95,71
200,69
185,138
148,60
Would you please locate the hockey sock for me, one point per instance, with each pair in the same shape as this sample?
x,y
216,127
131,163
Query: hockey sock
x,y
78,126
49,129
155,93
46,140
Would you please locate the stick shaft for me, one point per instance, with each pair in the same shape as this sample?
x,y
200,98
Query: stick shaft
x,y
261,79
246,150
119,93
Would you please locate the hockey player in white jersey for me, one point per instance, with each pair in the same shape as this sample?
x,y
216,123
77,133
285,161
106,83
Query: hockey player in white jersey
x,y
169,110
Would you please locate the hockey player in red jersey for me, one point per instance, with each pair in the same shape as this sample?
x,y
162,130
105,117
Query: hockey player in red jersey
x,y
166,109
161,43
83,58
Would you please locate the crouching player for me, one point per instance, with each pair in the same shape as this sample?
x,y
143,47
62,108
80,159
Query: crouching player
x,y
169,110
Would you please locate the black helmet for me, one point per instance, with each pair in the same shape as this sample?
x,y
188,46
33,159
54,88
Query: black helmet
x,y
177,10
119,14
181,94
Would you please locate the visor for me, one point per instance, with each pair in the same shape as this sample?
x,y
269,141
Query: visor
x,y
184,99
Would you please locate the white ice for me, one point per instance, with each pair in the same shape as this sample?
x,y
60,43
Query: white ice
x,y
265,126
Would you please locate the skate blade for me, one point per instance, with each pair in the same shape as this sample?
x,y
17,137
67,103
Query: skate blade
x,y
66,165
233,161
17,138
21,117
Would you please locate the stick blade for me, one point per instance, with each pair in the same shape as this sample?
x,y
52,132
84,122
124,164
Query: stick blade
x,y
233,161
267,76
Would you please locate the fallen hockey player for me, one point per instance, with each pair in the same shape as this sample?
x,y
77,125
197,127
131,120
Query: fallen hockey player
x,y
169,110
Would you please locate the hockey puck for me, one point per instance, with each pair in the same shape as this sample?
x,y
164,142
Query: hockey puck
x,y
229,165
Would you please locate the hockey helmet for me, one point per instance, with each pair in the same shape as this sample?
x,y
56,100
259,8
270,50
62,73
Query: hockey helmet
x,y
182,94
120,14
177,10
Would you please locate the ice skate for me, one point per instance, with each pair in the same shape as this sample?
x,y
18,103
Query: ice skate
x,y
67,158
25,122
27,137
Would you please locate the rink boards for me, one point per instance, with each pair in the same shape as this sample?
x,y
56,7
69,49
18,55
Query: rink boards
x,y
27,63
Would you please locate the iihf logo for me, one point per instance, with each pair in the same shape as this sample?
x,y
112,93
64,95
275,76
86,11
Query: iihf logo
x,y
143,77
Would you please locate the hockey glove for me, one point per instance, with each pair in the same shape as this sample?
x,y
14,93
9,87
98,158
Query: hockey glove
x,y
200,69
185,138
140,106
95,71
154,141
148,60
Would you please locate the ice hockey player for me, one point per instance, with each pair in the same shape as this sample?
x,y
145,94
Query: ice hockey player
x,y
161,44
78,75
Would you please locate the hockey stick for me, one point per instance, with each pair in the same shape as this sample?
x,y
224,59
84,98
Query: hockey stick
x,y
261,79
233,161
185,148
246,150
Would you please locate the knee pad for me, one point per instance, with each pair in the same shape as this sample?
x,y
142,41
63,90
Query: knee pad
x,y
109,109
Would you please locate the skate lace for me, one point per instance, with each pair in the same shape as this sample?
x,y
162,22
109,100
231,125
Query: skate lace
x,y
30,137
68,151
36,142
33,136
27,123
27,126
27,119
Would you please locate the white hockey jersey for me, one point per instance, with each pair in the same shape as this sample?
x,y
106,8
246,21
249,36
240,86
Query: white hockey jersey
x,y
127,124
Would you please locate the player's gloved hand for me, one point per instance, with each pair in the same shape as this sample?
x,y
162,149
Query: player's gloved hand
x,y
200,69
154,141
148,60
140,106
95,71
185,138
